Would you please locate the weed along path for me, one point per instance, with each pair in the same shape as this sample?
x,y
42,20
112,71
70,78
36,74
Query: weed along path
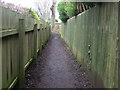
x,y
56,68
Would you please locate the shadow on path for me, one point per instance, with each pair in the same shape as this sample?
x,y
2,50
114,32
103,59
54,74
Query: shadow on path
x,y
56,68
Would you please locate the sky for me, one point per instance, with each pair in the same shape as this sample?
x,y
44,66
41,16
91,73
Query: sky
x,y
29,4
25,3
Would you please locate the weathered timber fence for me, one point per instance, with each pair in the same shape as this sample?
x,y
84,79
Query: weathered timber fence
x,y
93,38
22,38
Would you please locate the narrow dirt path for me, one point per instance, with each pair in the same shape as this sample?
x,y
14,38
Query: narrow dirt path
x,y
56,68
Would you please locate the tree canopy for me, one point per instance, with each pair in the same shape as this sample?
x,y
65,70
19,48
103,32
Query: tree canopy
x,y
62,12
69,9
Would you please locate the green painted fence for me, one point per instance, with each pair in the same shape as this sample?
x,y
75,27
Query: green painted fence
x,y
93,38
22,38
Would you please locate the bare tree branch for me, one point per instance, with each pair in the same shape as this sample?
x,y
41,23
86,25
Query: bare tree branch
x,y
53,14
43,8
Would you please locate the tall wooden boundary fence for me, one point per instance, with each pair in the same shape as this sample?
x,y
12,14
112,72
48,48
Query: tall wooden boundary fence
x,y
93,36
21,38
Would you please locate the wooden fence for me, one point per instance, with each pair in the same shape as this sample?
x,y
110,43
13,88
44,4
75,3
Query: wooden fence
x,y
93,38
22,38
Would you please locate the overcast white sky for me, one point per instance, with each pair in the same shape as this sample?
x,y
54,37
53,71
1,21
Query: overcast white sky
x,y
28,3
25,3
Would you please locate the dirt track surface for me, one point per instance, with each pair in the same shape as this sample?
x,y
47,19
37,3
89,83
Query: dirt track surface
x,y
56,68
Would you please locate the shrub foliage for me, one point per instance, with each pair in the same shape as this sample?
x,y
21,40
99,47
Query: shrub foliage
x,y
34,14
69,9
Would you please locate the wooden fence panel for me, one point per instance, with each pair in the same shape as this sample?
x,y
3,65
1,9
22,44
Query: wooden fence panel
x,y
92,37
18,51
10,59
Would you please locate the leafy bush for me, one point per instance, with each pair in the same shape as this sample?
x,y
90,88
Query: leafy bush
x,y
68,9
48,21
34,14
71,8
56,20
62,12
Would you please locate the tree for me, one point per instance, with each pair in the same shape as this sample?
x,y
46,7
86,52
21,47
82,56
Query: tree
x,y
53,14
71,9
67,10
62,12
43,9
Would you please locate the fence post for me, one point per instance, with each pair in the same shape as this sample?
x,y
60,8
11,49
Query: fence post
x,y
35,41
118,45
50,31
42,35
21,74
43,29
1,63
0,49
47,32
40,38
